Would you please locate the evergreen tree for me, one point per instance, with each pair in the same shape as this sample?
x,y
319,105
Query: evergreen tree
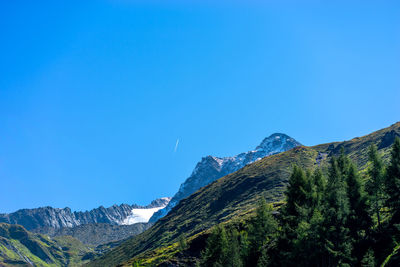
x,y
297,195
294,216
315,242
216,251
359,222
375,184
244,244
335,214
234,256
343,163
318,189
369,259
264,259
393,183
307,244
261,231
182,243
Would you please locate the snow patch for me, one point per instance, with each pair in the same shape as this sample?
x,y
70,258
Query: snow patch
x,y
140,216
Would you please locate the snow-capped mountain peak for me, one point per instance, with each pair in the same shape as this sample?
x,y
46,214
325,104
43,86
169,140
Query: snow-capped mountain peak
x,y
277,142
56,218
211,168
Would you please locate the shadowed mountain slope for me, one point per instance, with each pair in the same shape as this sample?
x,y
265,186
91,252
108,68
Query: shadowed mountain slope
x,y
18,247
236,194
212,168
101,233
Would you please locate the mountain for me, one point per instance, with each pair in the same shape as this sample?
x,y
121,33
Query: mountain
x,y
233,198
101,233
212,168
49,219
19,247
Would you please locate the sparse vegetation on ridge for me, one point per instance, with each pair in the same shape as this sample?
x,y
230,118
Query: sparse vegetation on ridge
x,y
18,247
235,196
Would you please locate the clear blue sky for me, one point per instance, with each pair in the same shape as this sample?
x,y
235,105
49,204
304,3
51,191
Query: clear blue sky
x,y
94,95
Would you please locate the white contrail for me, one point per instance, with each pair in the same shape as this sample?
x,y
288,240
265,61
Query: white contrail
x,y
176,145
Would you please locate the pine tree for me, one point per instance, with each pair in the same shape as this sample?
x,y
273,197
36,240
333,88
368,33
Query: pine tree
x,y
264,259
375,184
182,243
297,195
234,257
369,259
359,222
393,183
295,215
244,244
335,213
318,190
216,251
308,242
343,162
315,242
261,231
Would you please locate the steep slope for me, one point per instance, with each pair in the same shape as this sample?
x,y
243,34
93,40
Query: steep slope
x,y
212,168
101,233
48,219
236,194
18,247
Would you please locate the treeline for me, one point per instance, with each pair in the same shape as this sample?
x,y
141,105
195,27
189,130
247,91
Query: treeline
x,y
338,217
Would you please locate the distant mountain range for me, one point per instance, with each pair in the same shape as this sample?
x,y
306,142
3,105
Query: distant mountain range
x,y
95,227
219,190
56,218
212,168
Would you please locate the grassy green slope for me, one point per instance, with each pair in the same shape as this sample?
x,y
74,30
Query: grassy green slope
x,y
18,247
235,195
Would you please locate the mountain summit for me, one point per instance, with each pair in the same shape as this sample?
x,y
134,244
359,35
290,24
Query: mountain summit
x,y
212,168
48,218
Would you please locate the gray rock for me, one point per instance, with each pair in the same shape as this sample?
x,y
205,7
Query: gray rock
x,y
212,168
55,218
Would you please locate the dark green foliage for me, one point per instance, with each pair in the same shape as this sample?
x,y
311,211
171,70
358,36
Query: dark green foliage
x,y
325,222
393,183
335,212
369,259
235,251
375,184
233,196
182,243
300,200
247,248
217,248
261,231
318,189
359,221
297,195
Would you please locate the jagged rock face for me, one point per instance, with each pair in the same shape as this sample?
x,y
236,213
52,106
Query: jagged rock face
x,y
212,168
48,217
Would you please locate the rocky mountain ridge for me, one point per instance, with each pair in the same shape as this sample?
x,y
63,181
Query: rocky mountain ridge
x,y
56,218
233,198
211,168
